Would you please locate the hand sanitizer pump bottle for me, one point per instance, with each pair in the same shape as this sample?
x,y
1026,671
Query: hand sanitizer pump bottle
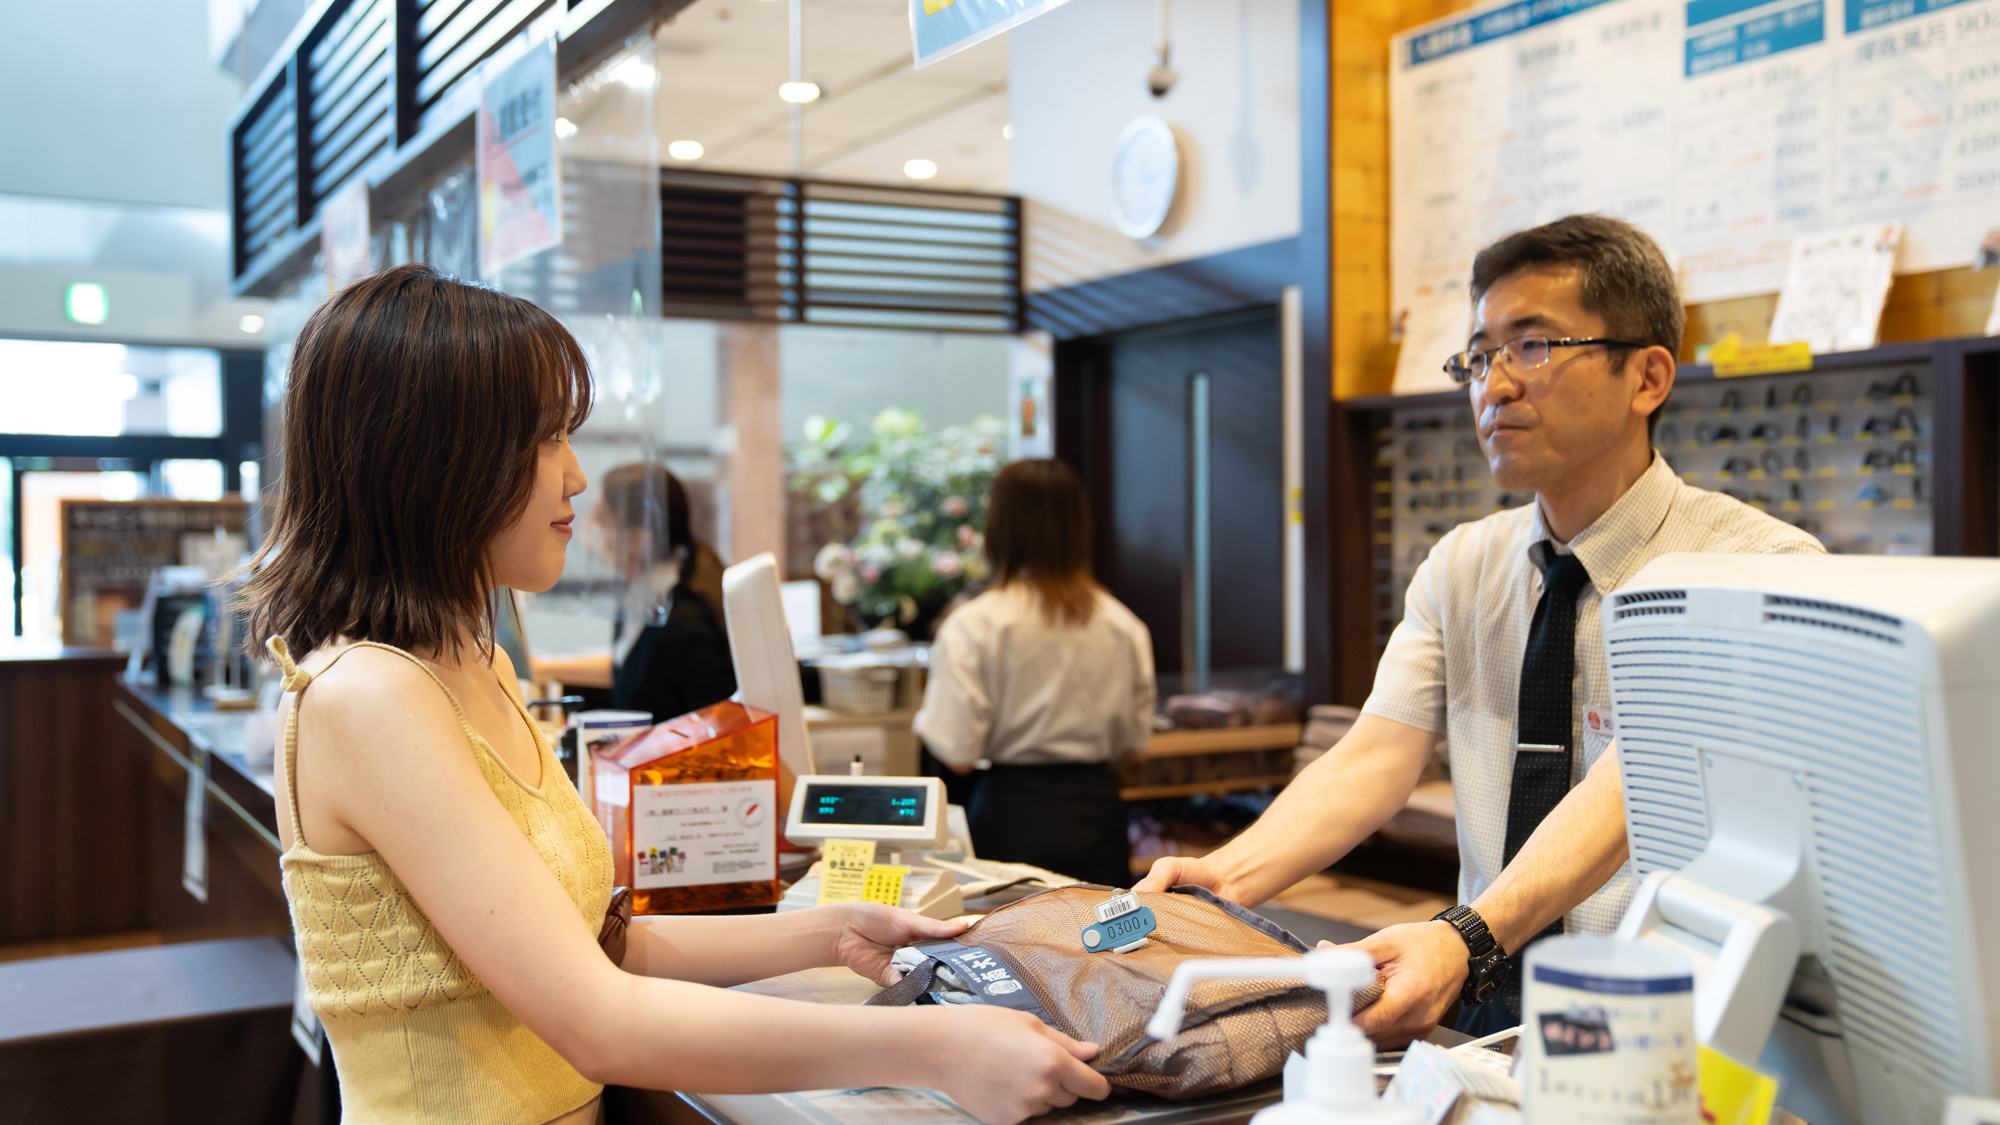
x,y
1339,1071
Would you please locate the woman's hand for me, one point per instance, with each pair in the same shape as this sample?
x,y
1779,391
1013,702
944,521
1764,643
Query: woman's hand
x,y
1001,1065
871,933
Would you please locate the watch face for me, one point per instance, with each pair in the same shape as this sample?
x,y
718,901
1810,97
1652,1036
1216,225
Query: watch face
x,y
1145,174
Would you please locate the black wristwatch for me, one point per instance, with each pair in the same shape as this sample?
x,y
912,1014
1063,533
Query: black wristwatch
x,y
1485,962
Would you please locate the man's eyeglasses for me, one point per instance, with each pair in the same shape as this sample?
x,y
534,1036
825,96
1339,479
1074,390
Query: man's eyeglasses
x,y
1528,352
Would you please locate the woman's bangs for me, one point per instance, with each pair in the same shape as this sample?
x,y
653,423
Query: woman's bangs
x,y
562,383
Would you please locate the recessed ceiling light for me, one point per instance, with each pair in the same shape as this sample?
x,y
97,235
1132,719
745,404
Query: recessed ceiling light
x,y
799,92
685,150
565,128
1007,131
919,169
251,322
87,303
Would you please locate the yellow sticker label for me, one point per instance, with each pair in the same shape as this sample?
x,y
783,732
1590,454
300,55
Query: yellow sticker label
x,y
843,870
1826,505
1791,474
1731,356
933,7
1790,505
885,885
1903,503
1829,470
1731,1093
1905,469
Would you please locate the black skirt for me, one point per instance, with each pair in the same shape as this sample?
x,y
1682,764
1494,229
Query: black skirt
x,y
1066,818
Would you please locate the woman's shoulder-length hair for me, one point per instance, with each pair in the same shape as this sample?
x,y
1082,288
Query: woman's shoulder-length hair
x,y
1038,536
414,408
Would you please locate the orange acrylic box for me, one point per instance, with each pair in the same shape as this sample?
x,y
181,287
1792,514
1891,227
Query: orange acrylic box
x,y
691,809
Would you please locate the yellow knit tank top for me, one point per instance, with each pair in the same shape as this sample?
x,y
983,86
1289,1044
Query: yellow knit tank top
x,y
415,1036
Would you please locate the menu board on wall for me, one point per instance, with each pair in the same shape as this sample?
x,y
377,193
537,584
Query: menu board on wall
x,y
110,549
1724,128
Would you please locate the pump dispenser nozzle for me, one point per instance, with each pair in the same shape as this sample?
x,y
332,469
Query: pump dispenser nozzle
x,y
1340,1061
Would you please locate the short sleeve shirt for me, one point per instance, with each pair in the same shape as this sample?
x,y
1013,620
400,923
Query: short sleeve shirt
x,y
1454,664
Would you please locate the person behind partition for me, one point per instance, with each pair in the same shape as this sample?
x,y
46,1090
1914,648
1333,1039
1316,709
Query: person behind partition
x,y
1501,650
447,887
1047,677
669,650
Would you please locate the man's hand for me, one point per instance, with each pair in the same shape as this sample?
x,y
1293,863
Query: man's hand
x,y
1423,967
1179,871
871,933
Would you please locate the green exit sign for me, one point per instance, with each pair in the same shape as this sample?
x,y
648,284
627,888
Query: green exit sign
x,y
87,303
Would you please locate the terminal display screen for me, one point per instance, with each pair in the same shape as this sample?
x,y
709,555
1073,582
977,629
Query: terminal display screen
x,y
884,805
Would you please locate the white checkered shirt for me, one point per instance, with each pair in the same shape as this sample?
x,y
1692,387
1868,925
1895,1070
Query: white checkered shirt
x,y
1454,664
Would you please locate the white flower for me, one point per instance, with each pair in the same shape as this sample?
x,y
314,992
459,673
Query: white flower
x,y
908,548
833,560
946,564
844,588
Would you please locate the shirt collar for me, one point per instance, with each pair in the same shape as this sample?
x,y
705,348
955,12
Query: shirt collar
x,y
1611,545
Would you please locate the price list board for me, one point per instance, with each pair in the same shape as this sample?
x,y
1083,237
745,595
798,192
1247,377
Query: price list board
x,y
110,549
1724,128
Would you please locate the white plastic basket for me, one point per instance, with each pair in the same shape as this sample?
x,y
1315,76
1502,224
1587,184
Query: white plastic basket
x,y
868,689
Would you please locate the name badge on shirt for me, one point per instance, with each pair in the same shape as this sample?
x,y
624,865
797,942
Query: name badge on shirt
x,y
1599,729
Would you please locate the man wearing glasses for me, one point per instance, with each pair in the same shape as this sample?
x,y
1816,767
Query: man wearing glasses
x,y
1501,651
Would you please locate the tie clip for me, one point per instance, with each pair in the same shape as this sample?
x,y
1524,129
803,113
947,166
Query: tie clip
x,y
1541,747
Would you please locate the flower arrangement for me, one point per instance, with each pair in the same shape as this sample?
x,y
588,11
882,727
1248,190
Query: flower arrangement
x,y
920,499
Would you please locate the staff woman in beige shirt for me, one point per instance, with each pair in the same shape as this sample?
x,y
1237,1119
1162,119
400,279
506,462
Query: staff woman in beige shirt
x,y
1047,677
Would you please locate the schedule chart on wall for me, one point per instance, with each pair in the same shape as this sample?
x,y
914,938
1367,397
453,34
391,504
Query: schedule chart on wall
x,y
1724,128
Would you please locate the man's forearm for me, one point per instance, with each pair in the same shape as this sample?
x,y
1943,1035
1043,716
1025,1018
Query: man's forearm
x,y
1575,851
1334,804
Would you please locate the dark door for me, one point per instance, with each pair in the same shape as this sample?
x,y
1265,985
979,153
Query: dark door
x,y
1178,431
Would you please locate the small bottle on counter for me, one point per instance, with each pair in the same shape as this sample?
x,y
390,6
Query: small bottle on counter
x,y
691,810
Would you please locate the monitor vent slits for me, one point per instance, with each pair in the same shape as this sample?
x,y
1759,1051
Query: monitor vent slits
x,y
1846,719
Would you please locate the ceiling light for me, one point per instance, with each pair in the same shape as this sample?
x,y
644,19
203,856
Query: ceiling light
x,y
799,93
251,322
87,303
565,128
634,72
1007,131
919,169
685,150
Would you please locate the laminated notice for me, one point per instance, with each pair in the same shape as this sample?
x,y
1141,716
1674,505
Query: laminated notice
x,y
843,870
710,832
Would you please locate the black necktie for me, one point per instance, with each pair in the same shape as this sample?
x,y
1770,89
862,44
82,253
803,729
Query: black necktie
x,y
1542,753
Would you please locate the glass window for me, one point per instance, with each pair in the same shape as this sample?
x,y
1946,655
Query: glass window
x,y
106,390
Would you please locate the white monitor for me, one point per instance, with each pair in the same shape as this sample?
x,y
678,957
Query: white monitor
x,y
767,674
907,813
1810,752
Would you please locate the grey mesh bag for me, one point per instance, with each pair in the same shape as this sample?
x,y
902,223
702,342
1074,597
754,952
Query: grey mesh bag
x,y
1029,956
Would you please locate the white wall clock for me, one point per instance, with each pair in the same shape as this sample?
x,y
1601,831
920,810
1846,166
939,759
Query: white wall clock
x,y
1145,174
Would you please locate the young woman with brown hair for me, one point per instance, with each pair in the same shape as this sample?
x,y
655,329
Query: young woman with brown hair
x,y
446,884
1048,677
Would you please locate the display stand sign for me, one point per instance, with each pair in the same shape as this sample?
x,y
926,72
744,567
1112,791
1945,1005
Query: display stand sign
x,y
343,236
520,186
1835,287
942,28
110,549
1435,325
1031,430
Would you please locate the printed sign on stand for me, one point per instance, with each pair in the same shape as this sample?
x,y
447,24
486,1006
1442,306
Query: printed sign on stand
x,y
520,186
1434,327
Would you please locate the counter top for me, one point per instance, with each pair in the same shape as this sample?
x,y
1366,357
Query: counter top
x,y
14,650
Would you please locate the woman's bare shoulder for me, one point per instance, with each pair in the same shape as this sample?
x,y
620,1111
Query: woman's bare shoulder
x,y
360,685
